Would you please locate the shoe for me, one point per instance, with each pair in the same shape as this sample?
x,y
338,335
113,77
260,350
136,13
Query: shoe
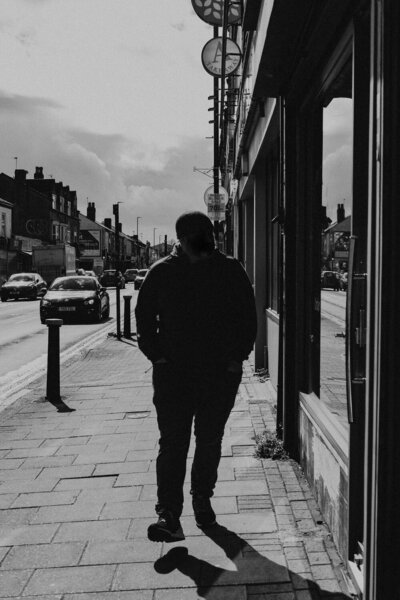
x,y
167,529
203,512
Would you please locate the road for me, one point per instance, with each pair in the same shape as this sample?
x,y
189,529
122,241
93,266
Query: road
x,y
23,339
333,307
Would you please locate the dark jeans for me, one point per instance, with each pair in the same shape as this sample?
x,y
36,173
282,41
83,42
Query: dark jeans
x,y
181,395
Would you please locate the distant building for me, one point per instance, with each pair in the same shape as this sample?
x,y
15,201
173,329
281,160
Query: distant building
x,y
336,242
44,211
97,244
8,245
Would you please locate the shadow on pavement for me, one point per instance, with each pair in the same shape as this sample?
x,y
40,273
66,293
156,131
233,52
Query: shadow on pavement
x,y
251,569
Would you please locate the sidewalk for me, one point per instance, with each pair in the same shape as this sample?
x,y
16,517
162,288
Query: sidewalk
x,y
77,493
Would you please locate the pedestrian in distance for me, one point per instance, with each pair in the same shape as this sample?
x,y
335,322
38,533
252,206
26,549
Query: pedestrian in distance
x,y
196,322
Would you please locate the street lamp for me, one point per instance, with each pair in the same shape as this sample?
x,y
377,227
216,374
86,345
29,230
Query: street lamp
x,y
154,236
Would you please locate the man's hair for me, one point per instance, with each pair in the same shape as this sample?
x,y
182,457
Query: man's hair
x,y
198,230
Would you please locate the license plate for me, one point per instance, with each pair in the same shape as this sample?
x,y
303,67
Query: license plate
x,y
66,308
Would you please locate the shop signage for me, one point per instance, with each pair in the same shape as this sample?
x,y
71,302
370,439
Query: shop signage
x,y
211,57
212,11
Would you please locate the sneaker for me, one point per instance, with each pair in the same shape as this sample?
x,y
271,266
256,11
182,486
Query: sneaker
x,y
203,512
167,529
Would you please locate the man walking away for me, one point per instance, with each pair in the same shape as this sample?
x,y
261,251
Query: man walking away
x,y
196,322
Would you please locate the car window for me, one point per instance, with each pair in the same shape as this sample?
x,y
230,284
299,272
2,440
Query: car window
x,y
142,272
73,283
21,277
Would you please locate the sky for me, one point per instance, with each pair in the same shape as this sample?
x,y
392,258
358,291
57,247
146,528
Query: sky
x,y
337,164
109,97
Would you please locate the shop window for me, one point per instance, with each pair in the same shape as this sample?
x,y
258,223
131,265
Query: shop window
x,y
3,225
273,228
336,227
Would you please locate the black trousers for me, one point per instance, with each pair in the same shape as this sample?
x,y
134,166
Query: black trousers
x,y
184,395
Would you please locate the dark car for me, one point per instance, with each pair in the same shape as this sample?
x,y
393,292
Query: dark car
x,y
330,279
140,278
112,278
23,285
76,296
130,274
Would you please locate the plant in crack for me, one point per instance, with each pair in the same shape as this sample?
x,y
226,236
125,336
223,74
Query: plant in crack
x,y
269,446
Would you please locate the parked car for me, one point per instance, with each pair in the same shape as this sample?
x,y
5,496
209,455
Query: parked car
x,y
130,274
343,281
330,279
140,278
75,296
112,278
23,285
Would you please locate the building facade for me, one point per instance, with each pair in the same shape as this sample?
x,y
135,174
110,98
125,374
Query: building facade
x,y
315,122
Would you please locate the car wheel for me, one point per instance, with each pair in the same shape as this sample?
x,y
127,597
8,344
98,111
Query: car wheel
x,y
99,315
3,299
34,295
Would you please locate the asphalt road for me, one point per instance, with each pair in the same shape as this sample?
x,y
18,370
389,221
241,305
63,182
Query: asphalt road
x,y
23,339
333,307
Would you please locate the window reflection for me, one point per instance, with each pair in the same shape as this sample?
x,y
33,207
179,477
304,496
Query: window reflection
x,y
336,212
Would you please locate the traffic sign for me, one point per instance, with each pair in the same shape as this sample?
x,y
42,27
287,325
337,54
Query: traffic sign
x,y
216,203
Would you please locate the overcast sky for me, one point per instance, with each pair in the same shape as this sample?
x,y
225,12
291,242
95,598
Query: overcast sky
x,y
109,97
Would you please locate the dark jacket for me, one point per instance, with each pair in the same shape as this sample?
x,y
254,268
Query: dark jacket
x,y
200,313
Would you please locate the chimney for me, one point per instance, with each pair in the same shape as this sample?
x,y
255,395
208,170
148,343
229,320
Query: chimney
x,y
91,211
20,174
107,223
38,173
340,213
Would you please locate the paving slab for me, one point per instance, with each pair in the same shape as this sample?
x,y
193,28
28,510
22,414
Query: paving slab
x,y
78,492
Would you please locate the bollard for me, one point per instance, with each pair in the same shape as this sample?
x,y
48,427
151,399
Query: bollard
x,y
118,296
127,317
53,366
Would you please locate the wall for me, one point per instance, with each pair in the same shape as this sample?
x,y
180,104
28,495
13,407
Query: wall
x,y
325,465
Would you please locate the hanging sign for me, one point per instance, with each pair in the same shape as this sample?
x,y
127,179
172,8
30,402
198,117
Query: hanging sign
x,y
212,11
211,57
216,203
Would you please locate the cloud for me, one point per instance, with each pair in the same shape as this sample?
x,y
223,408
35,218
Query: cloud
x,y
179,26
25,105
155,184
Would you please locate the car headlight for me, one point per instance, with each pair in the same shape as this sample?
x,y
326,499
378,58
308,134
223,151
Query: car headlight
x,y
46,302
90,301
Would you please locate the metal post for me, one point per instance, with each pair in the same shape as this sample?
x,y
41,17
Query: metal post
x,y
127,317
117,266
53,366
216,143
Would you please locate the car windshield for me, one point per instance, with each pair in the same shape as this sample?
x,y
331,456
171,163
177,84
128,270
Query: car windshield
x,y
142,272
22,277
109,273
74,283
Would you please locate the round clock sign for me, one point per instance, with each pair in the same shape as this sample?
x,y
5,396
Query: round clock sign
x,y
211,57
211,11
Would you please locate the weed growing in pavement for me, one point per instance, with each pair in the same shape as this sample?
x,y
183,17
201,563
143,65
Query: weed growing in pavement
x,y
269,446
